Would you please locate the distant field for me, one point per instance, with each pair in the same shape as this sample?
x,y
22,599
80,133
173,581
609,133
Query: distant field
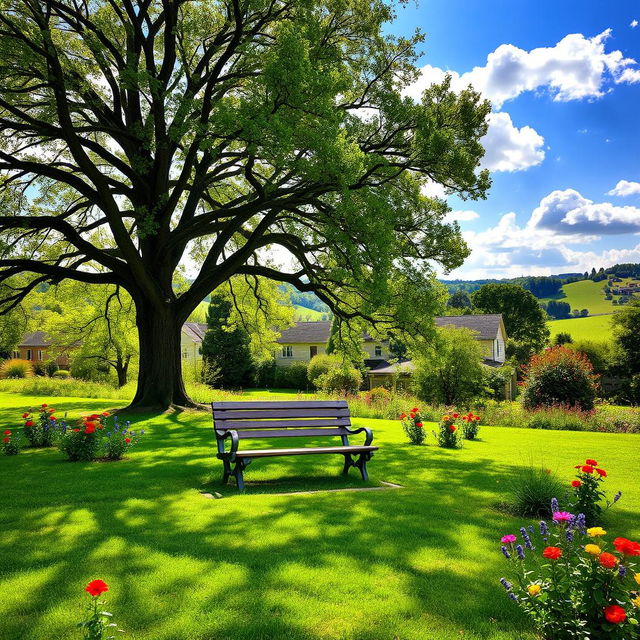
x,y
597,328
304,314
586,294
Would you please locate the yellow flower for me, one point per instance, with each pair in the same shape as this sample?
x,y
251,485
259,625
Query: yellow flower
x,y
637,577
596,532
445,418
535,589
636,602
593,549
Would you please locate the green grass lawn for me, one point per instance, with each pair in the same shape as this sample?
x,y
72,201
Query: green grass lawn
x,y
596,328
586,294
420,562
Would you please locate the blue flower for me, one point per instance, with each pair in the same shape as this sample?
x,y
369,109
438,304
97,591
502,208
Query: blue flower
x,y
569,535
617,496
520,551
506,584
554,505
141,432
526,538
581,522
513,596
505,552
622,571
544,530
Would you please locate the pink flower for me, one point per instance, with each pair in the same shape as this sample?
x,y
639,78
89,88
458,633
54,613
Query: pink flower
x,y
562,516
508,539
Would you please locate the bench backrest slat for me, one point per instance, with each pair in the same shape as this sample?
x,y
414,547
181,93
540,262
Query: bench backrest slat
x,y
282,419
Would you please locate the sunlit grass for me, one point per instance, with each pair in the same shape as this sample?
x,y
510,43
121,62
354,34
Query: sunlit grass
x,y
420,562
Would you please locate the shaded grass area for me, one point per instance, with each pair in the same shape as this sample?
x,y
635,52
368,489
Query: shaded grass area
x,y
420,562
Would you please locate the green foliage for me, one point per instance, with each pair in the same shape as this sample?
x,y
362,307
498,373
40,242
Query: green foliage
x,y
496,380
562,338
460,300
10,444
40,429
470,426
319,365
587,492
531,492
557,309
413,426
293,376
559,376
523,317
226,347
378,396
451,372
448,434
344,380
16,368
626,331
559,418
61,373
78,445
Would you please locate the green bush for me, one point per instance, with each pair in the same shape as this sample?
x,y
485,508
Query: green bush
x,y
319,365
293,376
61,373
559,376
531,492
377,396
344,380
559,419
16,368
496,380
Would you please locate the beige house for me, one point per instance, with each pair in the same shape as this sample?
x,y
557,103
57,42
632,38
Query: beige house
x,y
489,330
191,338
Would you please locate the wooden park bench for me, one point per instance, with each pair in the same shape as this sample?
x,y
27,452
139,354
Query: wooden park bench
x,y
236,421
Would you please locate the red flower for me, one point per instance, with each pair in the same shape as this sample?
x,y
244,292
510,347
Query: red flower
x,y
587,468
44,405
128,440
403,416
452,427
96,587
93,416
25,415
415,409
76,430
576,483
51,410
553,553
419,424
455,415
477,418
7,432
412,415
105,414
6,439
28,423
90,428
615,614
465,418
627,547
601,472
608,560
593,463
52,418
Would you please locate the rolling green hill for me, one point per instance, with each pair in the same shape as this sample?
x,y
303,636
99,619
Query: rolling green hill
x,y
586,294
303,314
595,328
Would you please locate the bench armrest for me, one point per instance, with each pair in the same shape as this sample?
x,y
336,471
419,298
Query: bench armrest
x,y
366,430
223,435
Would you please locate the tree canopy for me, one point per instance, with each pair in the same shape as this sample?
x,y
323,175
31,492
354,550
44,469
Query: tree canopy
x,y
139,135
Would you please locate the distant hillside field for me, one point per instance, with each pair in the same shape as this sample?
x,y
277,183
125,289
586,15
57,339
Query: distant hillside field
x,y
596,328
302,314
586,294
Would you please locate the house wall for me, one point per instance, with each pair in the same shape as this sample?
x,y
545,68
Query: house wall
x,y
369,347
301,352
494,349
38,354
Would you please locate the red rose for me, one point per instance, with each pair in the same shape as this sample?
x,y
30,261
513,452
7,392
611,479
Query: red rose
x,y
25,415
44,405
7,432
553,553
608,560
477,418
578,466
452,427
419,424
6,439
601,472
576,483
593,463
627,547
587,468
90,428
96,587
412,415
403,416
455,415
465,419
415,409
93,416
128,440
76,430
615,614
28,423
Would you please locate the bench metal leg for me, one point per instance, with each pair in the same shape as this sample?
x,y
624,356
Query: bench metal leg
x,y
361,463
241,465
348,463
227,471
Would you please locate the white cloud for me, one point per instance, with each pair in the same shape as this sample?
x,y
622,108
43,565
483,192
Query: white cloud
x,y
576,67
508,148
461,216
434,190
625,188
633,24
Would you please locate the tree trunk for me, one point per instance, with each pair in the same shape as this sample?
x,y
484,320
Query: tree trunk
x,y
160,383
122,367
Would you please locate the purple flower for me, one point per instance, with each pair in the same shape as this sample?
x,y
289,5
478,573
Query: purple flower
x,y
581,522
569,535
554,505
508,539
506,584
544,530
505,552
520,552
513,596
617,496
141,432
526,538
622,571
562,516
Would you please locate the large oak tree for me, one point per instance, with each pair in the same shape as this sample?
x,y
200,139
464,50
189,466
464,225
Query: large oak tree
x,y
137,133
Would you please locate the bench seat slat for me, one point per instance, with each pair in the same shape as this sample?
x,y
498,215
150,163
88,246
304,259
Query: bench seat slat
x,y
223,425
266,453
281,413
290,433
281,404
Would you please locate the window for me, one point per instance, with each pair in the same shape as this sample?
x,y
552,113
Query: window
x,y
39,354
185,353
287,352
29,354
16,354
377,350
313,351
497,348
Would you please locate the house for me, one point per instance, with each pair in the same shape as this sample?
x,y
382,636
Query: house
x,y
35,347
191,339
307,339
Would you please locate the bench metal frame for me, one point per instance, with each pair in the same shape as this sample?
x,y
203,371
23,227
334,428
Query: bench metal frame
x,y
235,421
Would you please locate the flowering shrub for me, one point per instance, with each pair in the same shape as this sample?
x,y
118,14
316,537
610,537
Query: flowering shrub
x,y
40,430
412,425
587,492
574,584
448,435
471,426
119,440
560,417
377,396
81,443
98,622
9,447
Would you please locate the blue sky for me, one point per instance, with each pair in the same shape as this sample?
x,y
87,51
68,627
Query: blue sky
x,y
564,81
